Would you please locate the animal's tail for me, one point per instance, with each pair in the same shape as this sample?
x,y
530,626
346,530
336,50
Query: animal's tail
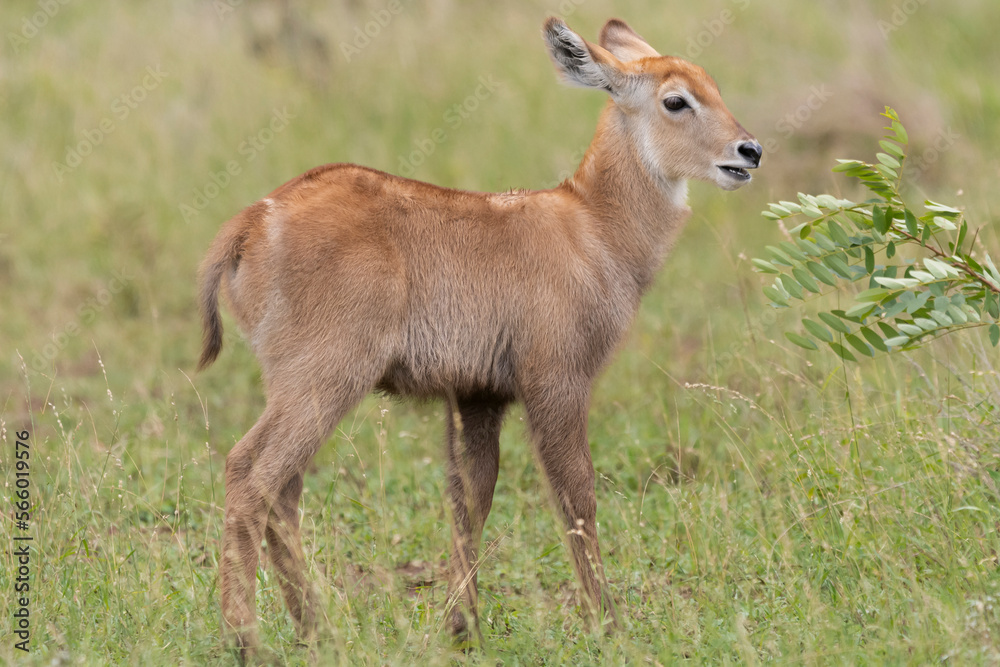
x,y
224,255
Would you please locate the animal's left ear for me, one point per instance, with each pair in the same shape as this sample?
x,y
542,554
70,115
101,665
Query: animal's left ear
x,y
618,38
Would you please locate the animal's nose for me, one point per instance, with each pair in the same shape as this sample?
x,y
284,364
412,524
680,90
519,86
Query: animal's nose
x,y
751,150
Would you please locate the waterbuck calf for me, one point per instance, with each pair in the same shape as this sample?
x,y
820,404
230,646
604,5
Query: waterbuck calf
x,y
347,280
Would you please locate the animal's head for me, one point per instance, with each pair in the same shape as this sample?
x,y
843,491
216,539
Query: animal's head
x,y
672,108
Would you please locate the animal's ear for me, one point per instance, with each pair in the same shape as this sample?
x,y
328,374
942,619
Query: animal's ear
x,y
618,38
580,62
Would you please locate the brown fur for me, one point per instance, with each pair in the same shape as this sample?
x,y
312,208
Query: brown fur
x,y
347,279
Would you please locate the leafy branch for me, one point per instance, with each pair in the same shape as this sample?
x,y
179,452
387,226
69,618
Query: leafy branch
x,y
907,301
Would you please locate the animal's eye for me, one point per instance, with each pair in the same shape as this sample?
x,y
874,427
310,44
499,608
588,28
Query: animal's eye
x,y
675,103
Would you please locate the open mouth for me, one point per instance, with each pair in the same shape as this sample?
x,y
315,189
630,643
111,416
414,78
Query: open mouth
x,y
738,173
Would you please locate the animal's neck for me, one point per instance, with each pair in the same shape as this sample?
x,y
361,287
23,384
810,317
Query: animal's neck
x,y
638,211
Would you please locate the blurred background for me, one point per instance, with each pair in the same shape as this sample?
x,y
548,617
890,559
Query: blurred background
x,y
131,131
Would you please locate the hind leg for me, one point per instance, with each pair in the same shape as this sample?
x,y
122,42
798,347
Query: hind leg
x,y
284,546
263,484
473,463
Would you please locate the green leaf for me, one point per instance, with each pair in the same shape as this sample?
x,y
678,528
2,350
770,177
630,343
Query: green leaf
x,y
911,223
897,341
894,307
825,243
791,286
941,318
805,279
847,165
910,329
774,295
834,322
872,295
822,273
792,251
941,208
900,131
890,147
860,311
888,331
780,210
879,220
831,202
917,302
994,334
887,160
861,221
779,256
837,233
842,352
764,266
810,247
940,269
800,340
770,216
962,231
944,223
896,283
837,264
994,273
874,339
926,234
890,250
859,345
869,259
890,174
957,314
817,330
991,304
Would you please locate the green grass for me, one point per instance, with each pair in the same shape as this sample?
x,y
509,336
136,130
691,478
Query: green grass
x,y
819,513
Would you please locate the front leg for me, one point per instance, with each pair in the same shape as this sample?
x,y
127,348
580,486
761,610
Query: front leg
x,y
557,417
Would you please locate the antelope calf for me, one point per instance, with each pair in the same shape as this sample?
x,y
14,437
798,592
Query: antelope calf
x,y
347,280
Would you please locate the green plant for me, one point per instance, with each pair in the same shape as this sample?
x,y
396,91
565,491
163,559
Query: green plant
x,y
923,277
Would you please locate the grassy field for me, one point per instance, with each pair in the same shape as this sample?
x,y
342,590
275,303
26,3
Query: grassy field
x,y
755,504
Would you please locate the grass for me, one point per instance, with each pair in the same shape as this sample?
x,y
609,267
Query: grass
x,y
755,504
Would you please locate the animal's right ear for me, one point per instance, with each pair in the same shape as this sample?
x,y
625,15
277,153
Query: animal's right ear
x,y
580,62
